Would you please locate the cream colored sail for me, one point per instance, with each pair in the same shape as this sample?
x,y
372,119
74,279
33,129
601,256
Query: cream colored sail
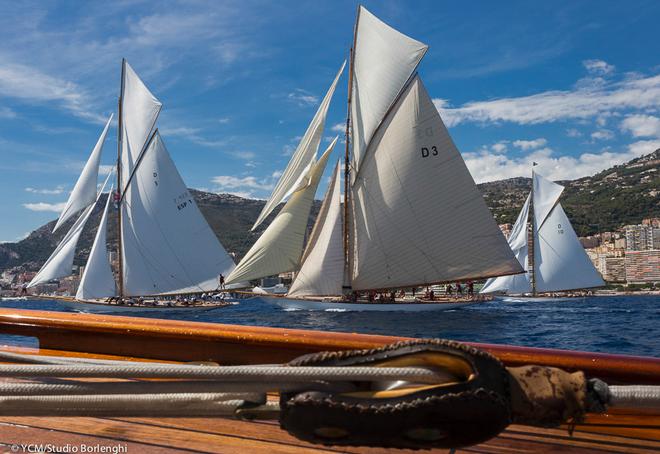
x,y
139,112
322,269
384,59
298,168
280,247
168,247
516,283
60,262
84,192
560,262
97,280
418,215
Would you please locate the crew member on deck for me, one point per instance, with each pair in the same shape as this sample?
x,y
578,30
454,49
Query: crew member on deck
x,y
221,282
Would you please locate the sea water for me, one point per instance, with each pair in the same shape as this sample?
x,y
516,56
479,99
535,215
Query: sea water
x,y
617,324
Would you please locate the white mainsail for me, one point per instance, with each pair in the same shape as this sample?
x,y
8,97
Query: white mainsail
x,y
560,262
418,215
516,283
279,248
84,192
139,112
167,245
60,262
383,60
97,280
322,270
298,167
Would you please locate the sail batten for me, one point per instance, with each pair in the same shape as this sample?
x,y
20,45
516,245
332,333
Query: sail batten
x,y
84,192
418,215
322,270
295,173
280,247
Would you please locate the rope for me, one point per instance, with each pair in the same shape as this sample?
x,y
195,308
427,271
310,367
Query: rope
x,y
224,373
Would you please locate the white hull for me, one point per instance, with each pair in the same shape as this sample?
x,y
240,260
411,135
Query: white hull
x,y
102,308
328,305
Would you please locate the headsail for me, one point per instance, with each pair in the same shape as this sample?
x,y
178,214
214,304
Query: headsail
x,y
560,262
418,215
139,112
84,192
298,167
322,269
60,262
383,60
517,283
279,248
97,280
168,247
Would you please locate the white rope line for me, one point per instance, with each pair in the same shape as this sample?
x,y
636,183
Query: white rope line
x,y
634,396
224,373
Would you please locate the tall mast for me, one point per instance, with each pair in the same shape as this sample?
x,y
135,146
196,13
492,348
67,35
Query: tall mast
x,y
119,186
532,276
347,156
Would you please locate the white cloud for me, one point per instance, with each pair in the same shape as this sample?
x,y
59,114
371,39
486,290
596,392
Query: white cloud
x,y
583,102
303,97
598,67
57,190
7,113
500,147
339,127
225,182
246,155
488,166
530,144
223,120
104,170
572,132
642,125
42,206
603,134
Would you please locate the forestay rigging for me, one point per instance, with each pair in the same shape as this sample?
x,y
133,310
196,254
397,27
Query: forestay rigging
x,y
322,269
298,167
97,280
279,248
167,245
384,59
418,216
84,192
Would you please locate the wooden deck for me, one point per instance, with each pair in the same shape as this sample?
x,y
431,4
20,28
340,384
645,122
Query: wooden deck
x,y
128,338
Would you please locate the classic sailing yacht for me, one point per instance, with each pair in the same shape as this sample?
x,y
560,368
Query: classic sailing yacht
x,y
412,214
166,247
557,261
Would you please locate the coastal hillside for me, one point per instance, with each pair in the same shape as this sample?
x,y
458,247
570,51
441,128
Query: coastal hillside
x,y
621,195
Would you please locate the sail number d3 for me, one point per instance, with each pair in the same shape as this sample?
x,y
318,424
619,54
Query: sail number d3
x,y
426,152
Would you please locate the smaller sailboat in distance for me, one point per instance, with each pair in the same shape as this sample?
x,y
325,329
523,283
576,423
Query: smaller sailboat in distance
x,y
546,245
165,246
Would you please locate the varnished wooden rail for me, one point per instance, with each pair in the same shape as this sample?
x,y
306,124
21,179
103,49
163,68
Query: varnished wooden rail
x,y
233,344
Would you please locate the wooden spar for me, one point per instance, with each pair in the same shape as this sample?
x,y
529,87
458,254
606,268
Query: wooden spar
x,y
347,157
175,340
531,254
119,186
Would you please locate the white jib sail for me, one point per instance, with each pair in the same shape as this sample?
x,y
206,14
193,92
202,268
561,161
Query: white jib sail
x,y
279,248
516,283
322,270
418,215
97,280
168,247
139,112
60,262
296,171
559,259
546,195
84,192
383,60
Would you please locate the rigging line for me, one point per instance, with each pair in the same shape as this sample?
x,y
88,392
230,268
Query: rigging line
x,y
138,162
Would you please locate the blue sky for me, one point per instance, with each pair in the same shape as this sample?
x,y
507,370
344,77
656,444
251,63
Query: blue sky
x,y
573,85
